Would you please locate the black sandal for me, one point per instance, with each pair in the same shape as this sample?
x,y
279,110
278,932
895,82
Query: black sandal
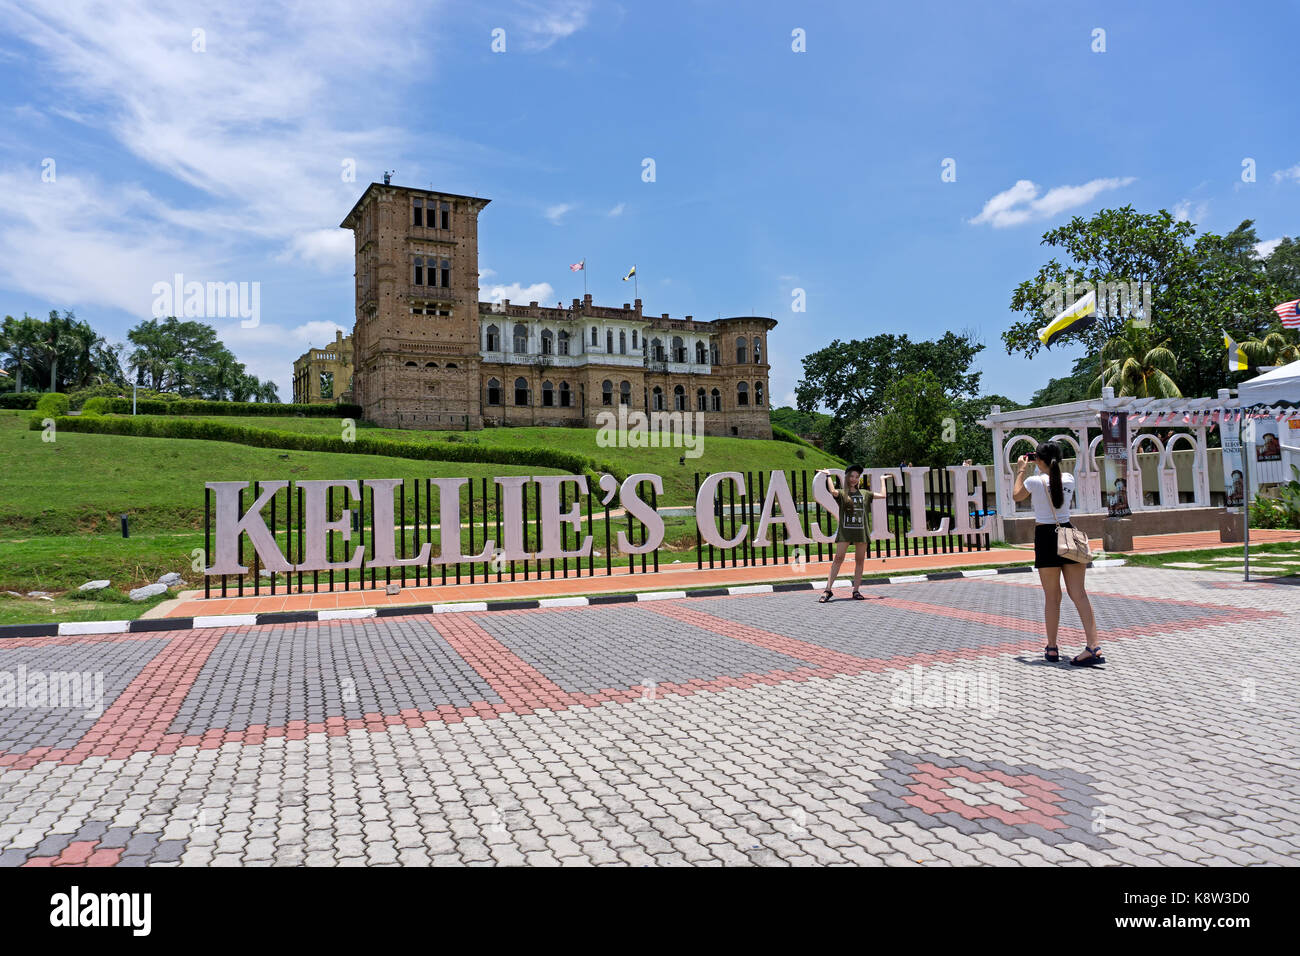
x,y
1092,660
1052,654
826,596
857,595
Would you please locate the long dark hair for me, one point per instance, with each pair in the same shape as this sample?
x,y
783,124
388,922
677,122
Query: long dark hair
x,y
1049,453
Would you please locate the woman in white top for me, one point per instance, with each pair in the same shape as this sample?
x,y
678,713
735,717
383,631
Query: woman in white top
x,y
1050,492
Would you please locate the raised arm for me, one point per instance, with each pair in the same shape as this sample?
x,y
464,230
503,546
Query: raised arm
x,y
882,493
1019,492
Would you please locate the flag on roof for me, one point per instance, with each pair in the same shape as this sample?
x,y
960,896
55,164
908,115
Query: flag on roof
x,y
1076,318
1289,313
578,266
630,273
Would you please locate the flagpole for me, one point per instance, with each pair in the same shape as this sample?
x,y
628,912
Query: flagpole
x,y
584,277
1245,493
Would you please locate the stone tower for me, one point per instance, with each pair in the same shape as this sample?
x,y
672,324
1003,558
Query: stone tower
x,y
416,340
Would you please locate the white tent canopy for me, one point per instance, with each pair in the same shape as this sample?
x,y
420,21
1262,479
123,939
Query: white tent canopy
x,y
1282,384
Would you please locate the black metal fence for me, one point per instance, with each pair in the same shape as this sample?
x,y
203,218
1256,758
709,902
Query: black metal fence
x,y
481,513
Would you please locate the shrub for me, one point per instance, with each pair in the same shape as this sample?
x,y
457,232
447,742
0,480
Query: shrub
x,y
49,405
201,407
21,400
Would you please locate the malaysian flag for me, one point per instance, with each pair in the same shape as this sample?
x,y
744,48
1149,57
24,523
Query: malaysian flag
x,y
578,266
1289,313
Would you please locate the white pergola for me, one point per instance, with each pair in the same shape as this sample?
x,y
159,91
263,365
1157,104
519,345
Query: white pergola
x,y
1076,425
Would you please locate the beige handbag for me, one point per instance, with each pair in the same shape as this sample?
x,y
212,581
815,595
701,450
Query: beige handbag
x,y
1071,543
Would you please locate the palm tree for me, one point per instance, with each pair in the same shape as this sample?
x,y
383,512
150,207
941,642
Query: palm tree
x,y
20,340
267,392
1134,366
1272,349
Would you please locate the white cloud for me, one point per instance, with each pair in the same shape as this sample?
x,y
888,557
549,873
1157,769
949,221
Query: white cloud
x,y
318,333
329,250
1265,248
1022,202
539,292
618,210
1186,211
555,214
544,24
1293,173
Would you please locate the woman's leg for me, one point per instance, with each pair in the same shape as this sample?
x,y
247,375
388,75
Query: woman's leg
x,y
1074,575
841,549
1051,580
859,562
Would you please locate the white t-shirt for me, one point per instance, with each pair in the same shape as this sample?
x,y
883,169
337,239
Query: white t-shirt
x,y
1040,493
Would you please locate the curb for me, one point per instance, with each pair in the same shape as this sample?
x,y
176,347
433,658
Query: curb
x,y
76,628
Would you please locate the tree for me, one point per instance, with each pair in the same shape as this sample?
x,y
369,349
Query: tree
x,y
20,340
268,392
852,378
1069,388
1197,286
921,415
1272,349
187,358
1135,365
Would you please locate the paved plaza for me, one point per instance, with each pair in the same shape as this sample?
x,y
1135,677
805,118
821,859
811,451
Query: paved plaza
x,y
919,727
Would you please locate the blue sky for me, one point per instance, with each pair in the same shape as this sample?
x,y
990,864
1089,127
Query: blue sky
x,y
774,170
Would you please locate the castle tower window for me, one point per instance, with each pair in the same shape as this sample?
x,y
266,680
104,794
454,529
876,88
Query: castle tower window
x,y
326,384
548,394
609,341
758,352
657,350
742,394
564,342
446,216
679,349
625,393
594,341
446,273
450,365
679,399
622,342
713,354
634,345
430,364
758,394
742,351
521,338
566,397
606,392
412,365
717,400
701,356
701,401
493,339
417,212
493,392
548,342
521,391
418,277
658,399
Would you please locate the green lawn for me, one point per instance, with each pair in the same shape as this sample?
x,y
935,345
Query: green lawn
x,y
1279,559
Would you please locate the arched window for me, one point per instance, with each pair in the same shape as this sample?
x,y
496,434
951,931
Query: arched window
x,y
494,392
742,394
521,338
742,351
758,394
713,354
679,349
634,345
758,351
607,392
609,341
521,391
418,276
625,393
701,401
566,397
717,400
450,365
493,339
701,356
430,364
594,340
548,342
656,350
412,365
679,399
658,394
548,394
564,342
622,341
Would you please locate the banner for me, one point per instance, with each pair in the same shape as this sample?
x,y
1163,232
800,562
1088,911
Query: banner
x,y
1267,446
1234,478
1114,488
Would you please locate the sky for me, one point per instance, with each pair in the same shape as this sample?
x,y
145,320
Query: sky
x,y
141,140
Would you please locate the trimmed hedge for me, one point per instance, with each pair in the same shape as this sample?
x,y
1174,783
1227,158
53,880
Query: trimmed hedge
x,y
22,400
195,406
49,405
144,427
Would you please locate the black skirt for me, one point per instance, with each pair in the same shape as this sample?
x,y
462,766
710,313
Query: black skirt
x,y
1045,555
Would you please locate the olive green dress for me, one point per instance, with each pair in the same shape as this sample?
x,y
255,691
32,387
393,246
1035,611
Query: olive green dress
x,y
853,516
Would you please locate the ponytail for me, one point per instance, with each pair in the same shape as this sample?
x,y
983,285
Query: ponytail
x,y
1049,453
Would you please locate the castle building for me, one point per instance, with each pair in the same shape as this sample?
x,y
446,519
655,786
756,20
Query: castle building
x,y
428,354
324,376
